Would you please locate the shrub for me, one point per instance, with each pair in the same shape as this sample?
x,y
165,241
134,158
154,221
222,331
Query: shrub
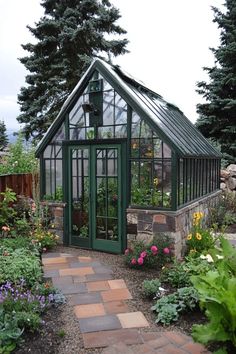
x,y
176,275
224,214
151,287
150,256
45,239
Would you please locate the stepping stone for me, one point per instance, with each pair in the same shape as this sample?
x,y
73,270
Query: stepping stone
x,y
72,289
102,270
104,339
56,266
78,279
118,349
96,277
52,260
117,284
132,320
78,265
97,285
83,299
85,259
114,307
68,280
116,294
51,273
51,255
100,323
91,310
76,271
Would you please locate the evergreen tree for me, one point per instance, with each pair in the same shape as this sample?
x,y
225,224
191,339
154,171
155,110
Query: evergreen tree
x,y
218,116
3,135
69,35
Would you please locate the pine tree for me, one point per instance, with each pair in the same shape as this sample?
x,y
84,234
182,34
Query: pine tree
x,y
3,135
218,116
69,35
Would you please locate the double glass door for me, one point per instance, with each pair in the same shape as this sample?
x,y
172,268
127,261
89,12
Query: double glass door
x,y
95,197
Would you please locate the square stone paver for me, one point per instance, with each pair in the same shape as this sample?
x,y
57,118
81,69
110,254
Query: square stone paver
x,y
85,259
68,289
114,307
51,255
117,284
97,285
116,294
55,266
91,310
101,339
132,320
68,280
100,323
82,299
52,260
76,271
102,270
97,277
51,273
78,279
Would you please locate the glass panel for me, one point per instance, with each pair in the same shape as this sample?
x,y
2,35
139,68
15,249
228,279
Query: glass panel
x,y
157,147
120,110
108,107
166,180
59,173
107,194
105,132
48,151
146,148
60,134
120,131
80,193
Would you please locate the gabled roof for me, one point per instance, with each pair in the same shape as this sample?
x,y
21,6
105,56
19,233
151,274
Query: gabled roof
x,y
166,119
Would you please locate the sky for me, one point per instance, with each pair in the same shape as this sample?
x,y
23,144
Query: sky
x,y
169,46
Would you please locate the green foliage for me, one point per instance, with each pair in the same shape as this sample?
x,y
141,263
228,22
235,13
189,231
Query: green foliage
x,y
67,38
170,306
176,275
9,332
7,213
3,135
155,255
44,238
18,264
28,320
217,294
14,243
217,115
20,159
58,197
151,287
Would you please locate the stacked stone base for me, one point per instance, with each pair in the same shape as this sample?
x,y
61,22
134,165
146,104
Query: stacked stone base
x,y
144,225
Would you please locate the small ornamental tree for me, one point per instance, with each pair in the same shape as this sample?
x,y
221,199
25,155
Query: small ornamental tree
x,y
69,35
218,115
3,135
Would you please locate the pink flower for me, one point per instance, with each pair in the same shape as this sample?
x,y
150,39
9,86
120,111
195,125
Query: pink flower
x,y
154,250
166,250
5,228
143,254
133,261
140,260
127,251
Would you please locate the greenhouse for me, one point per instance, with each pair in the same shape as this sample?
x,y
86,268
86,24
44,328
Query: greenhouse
x,y
123,163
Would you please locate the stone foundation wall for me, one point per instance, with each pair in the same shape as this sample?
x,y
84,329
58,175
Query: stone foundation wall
x,y
228,179
145,224
56,215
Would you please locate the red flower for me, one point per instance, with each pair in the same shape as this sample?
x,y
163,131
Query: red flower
x,y
133,261
140,261
154,250
143,254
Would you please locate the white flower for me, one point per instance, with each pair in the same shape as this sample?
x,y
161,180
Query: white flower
x,y
209,258
161,289
203,257
219,257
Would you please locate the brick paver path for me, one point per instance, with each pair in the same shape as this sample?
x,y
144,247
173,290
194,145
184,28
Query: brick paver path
x,y
100,306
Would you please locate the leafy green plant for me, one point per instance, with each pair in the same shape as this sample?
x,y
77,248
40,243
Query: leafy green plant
x,y
217,294
7,212
28,320
176,275
18,264
224,214
140,255
9,332
170,306
151,287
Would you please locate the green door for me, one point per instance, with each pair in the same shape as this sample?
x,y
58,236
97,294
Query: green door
x,y
96,207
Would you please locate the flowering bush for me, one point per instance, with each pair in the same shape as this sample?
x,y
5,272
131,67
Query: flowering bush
x,y
151,256
45,239
199,239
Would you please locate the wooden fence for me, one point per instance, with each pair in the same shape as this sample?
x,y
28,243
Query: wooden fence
x,y
21,184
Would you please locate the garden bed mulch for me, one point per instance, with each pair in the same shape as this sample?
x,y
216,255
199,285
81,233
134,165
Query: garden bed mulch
x,y
60,333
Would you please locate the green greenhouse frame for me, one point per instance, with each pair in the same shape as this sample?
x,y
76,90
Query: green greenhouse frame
x,y
116,145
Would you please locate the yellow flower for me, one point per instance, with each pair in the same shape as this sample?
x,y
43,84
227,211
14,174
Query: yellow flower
x,y
198,236
189,237
192,250
155,181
